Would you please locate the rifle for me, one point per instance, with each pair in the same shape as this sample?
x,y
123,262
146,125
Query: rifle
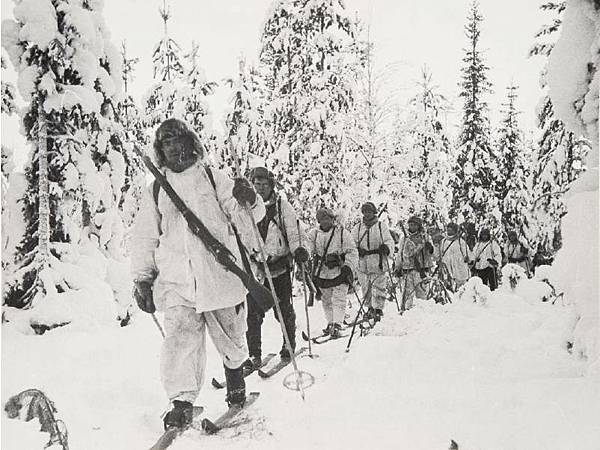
x,y
222,254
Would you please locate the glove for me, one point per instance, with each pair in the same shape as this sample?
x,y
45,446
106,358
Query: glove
x,y
332,260
142,292
384,250
428,247
301,255
243,192
346,273
361,252
466,259
492,262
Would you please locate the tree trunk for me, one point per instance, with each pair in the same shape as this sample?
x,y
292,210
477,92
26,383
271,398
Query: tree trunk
x,y
43,251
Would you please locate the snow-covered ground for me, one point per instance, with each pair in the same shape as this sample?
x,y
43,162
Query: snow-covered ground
x,y
489,376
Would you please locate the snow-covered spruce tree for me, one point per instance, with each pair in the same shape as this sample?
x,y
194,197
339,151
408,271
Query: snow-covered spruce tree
x,y
428,151
475,170
244,122
8,92
307,60
133,132
162,101
370,151
68,74
573,80
514,162
193,95
559,154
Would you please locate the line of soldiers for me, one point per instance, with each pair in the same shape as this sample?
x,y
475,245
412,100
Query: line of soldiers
x,y
337,259
175,272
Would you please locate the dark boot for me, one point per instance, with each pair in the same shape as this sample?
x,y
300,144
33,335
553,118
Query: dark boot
x,y
180,416
336,331
378,315
253,335
236,386
252,363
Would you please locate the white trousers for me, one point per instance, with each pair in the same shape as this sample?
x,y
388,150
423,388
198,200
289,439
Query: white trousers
x,y
374,288
334,303
183,358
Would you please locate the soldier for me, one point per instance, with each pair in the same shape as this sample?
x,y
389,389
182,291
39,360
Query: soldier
x,y
455,255
374,242
516,253
412,260
175,272
280,232
335,260
486,258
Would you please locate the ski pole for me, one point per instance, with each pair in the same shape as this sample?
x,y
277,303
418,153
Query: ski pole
x,y
360,309
301,265
263,254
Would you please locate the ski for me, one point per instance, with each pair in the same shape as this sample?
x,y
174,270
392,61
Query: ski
x,y
277,365
221,384
212,427
321,339
170,434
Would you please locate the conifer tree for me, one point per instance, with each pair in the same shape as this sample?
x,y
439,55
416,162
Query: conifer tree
x,y
162,101
8,93
370,141
429,156
193,95
475,171
245,125
306,57
514,161
559,154
73,172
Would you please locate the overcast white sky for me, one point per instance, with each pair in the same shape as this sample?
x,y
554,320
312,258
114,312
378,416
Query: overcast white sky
x,y
408,32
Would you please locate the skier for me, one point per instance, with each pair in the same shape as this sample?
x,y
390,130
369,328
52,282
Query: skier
x,y
412,260
486,258
335,259
175,272
279,230
455,255
515,252
374,242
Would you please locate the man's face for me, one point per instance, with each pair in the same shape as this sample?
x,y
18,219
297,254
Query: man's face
x,y
325,222
512,237
368,215
177,157
450,231
263,187
485,236
413,227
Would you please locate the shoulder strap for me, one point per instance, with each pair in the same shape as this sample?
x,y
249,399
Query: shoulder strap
x,y
322,259
241,247
211,177
282,226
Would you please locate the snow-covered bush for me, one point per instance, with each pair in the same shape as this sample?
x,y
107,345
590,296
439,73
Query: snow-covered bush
x,y
474,291
514,274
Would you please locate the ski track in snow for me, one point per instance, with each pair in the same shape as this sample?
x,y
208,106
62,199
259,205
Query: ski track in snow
x,y
492,376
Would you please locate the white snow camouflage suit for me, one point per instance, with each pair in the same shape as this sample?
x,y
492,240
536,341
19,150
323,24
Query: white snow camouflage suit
x,y
373,268
341,243
194,291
